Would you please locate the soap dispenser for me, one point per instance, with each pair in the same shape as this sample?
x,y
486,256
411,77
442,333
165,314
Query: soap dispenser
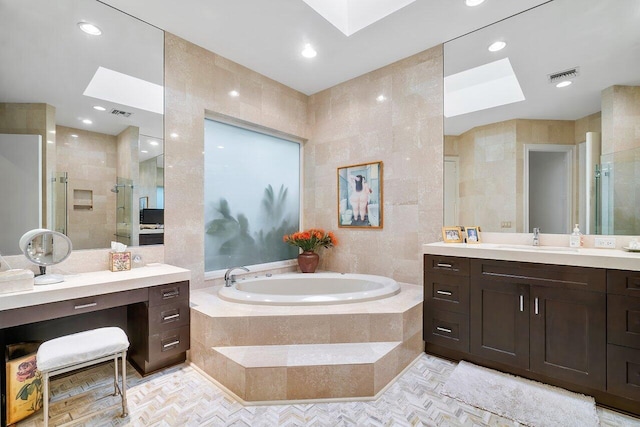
x,y
575,240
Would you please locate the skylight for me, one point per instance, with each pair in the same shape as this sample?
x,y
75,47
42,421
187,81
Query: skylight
x,y
350,16
123,89
487,86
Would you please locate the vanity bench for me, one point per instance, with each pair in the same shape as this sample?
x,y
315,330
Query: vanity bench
x,y
566,318
150,303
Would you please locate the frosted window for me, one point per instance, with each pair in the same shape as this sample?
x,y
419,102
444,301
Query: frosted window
x,y
251,196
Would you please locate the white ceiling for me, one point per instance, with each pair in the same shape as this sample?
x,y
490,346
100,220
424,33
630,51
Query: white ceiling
x,y
268,36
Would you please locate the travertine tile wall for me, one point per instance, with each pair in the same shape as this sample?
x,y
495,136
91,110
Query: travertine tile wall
x,y
90,160
343,125
198,82
349,125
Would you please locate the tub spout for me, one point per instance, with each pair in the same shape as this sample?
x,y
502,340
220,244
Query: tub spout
x,y
230,279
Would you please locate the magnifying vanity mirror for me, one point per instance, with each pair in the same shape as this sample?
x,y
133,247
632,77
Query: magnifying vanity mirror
x,y
81,123
544,132
44,248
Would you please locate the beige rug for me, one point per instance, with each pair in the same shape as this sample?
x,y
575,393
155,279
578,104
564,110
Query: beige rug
x,y
525,401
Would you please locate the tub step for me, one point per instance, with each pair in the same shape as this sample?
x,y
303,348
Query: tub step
x,y
308,371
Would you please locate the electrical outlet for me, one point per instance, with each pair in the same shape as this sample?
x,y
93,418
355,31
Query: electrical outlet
x,y
605,242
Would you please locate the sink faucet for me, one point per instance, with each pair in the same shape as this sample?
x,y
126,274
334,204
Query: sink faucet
x,y
230,279
536,236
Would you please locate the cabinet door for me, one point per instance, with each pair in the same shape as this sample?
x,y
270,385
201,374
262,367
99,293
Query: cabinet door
x,y
568,335
500,322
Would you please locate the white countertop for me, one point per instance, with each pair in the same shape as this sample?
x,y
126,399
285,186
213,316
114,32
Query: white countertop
x,y
95,283
151,230
581,257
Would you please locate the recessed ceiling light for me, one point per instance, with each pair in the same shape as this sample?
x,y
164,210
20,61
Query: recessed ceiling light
x,y
496,46
89,28
309,51
73,135
144,151
99,108
564,83
220,147
174,135
52,131
472,3
381,98
234,93
153,142
49,142
87,121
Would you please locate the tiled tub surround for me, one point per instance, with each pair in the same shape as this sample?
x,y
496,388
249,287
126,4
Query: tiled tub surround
x,y
276,353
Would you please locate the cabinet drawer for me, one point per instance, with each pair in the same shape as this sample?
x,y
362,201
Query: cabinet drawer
x,y
449,293
168,343
446,265
623,371
168,316
170,292
446,328
623,282
623,320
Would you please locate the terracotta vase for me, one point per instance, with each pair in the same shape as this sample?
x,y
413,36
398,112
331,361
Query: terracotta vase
x,y
308,261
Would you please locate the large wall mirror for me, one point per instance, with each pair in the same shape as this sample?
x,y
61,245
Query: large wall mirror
x,y
546,131
83,113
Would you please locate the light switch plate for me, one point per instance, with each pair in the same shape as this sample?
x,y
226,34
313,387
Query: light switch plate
x,y
605,242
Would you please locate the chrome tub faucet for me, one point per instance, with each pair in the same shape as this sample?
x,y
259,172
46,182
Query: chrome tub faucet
x,y
536,236
230,279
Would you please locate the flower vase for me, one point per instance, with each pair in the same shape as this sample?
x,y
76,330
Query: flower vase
x,y
308,261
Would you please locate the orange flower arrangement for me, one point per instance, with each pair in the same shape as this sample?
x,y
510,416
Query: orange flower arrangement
x,y
311,239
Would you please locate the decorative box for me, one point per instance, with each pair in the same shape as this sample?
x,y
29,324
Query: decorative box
x,y
119,261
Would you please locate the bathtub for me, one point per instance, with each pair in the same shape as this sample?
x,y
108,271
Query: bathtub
x,y
310,289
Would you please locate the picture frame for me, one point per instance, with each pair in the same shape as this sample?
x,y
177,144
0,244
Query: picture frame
x,y
452,234
360,196
473,234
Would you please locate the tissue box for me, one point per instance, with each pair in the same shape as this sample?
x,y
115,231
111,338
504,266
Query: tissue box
x,y
119,261
16,280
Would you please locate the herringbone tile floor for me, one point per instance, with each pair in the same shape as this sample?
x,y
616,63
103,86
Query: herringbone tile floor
x,y
181,396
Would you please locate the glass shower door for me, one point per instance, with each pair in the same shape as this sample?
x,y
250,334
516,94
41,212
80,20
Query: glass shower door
x,y
124,212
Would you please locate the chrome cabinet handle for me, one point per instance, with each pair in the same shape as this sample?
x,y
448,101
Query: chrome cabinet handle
x,y
171,344
441,329
439,292
535,305
171,294
444,265
521,302
171,317
81,306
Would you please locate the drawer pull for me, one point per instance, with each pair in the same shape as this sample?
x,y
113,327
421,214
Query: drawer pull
x,y
444,265
439,292
441,329
81,306
171,294
171,317
535,305
170,344
521,302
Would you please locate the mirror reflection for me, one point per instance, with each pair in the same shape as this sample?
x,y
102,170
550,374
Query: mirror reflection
x,y
81,124
44,248
544,132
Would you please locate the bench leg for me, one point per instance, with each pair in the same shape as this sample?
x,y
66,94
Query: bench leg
x,y
124,383
45,398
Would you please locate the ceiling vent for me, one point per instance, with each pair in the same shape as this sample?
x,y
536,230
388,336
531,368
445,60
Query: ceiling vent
x,y
564,75
120,113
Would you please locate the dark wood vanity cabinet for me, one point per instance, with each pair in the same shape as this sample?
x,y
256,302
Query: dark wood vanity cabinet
x,y
574,327
159,328
546,319
623,333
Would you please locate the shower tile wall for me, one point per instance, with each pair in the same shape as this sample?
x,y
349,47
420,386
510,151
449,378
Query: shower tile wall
x,y
91,162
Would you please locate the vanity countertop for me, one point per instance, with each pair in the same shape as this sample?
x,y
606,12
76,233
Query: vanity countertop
x,y
580,257
95,283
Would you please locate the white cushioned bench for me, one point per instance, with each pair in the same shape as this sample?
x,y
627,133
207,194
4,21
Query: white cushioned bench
x,y
80,350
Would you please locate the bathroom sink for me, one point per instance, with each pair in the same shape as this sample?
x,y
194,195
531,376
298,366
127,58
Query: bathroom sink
x,y
540,248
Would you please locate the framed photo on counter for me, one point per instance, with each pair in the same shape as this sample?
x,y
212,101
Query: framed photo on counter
x,y
452,234
473,234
